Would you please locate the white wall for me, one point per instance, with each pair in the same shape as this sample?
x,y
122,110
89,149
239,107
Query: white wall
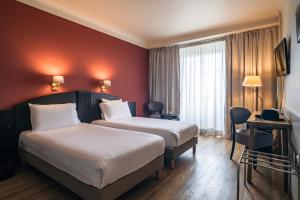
x,y
292,92
292,82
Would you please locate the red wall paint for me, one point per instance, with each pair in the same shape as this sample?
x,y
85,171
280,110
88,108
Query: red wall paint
x,y
34,45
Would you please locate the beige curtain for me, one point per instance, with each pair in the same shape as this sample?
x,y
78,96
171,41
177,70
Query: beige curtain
x,y
250,53
164,78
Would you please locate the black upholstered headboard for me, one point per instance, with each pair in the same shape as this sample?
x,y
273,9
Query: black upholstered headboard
x,y
22,112
88,105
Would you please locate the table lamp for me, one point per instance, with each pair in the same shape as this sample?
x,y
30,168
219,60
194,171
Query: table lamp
x,y
254,82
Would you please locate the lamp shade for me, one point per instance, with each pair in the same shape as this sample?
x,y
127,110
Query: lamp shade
x,y
105,84
252,81
58,79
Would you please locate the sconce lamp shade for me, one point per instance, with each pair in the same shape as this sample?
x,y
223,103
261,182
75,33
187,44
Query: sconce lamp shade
x,y
105,84
252,81
58,79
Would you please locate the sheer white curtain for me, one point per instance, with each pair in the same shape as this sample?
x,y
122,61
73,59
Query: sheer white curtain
x,y
203,86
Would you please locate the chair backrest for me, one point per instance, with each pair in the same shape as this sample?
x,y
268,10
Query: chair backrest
x,y
270,114
155,107
239,115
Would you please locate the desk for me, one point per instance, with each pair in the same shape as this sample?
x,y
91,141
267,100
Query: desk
x,y
283,126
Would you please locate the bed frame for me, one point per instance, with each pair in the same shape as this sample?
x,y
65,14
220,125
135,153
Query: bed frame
x,y
172,154
112,191
85,191
88,103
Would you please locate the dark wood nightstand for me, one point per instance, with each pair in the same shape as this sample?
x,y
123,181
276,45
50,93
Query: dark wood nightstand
x,y
8,145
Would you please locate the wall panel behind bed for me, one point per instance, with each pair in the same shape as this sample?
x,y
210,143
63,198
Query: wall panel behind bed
x,y
88,105
22,112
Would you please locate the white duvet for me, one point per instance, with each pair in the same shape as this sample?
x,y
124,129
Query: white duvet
x,y
174,133
93,154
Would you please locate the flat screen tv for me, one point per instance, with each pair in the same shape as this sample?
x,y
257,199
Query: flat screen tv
x,y
281,59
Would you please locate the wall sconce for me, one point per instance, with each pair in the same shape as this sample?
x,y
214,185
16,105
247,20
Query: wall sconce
x,y
105,84
57,81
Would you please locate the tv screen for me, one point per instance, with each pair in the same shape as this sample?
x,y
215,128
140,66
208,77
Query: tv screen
x,y
281,59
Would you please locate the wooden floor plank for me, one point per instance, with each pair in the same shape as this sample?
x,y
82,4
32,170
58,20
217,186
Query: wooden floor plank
x,y
209,174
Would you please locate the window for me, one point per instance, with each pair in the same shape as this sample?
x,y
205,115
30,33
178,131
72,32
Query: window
x,y
202,86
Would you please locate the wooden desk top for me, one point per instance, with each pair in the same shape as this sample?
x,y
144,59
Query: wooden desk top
x,y
255,122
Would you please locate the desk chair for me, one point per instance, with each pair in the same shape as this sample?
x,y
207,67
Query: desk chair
x,y
269,114
262,140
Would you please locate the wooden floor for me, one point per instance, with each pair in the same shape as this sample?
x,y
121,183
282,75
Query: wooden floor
x,y
210,174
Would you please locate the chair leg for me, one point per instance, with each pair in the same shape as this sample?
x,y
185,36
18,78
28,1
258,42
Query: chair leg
x,y
233,146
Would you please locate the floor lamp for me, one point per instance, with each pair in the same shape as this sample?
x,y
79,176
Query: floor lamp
x,y
254,82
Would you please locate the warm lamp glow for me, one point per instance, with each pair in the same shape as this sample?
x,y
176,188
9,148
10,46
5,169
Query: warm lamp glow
x,y
105,84
48,61
252,81
57,81
101,70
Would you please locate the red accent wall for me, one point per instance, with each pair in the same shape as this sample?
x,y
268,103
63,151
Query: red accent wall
x,y
34,45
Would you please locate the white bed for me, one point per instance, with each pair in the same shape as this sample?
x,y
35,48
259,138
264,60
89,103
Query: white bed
x,y
175,133
95,155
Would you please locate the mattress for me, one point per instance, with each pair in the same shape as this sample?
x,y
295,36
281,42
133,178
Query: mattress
x,y
95,155
174,133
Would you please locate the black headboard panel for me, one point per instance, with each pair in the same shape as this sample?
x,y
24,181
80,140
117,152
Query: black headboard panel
x,y
88,105
132,107
22,112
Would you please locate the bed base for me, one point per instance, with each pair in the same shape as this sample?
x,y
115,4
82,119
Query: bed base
x,y
85,191
172,154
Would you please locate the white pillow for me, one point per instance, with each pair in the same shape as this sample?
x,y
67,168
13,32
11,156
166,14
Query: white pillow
x,y
103,100
46,117
110,101
116,110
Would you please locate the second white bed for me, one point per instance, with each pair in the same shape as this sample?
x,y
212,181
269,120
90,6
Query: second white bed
x,y
175,133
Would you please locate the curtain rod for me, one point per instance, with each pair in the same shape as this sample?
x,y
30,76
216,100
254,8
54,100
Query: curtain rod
x,y
220,37
217,39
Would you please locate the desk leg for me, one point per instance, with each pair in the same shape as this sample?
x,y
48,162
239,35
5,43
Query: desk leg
x,y
285,151
251,138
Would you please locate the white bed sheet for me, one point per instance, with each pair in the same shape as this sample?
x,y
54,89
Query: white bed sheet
x,y
174,133
93,154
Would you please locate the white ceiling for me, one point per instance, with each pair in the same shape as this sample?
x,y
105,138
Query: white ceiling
x,y
153,23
